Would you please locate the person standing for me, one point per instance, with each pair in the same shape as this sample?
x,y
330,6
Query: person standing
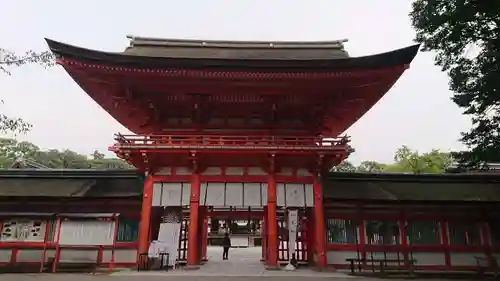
x,y
226,244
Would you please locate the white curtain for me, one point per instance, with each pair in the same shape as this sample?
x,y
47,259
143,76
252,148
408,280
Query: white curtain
x,y
169,235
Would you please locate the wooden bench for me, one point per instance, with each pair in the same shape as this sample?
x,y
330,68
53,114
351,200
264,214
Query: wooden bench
x,y
483,264
383,264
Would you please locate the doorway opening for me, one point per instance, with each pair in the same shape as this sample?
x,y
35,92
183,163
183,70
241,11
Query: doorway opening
x,y
244,227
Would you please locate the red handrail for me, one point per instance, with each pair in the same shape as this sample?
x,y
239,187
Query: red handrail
x,y
227,140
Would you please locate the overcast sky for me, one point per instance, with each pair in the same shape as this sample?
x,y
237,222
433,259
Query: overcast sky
x,y
417,111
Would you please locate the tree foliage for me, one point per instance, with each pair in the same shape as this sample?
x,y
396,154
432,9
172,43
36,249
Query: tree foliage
x,y
405,161
9,60
345,166
12,150
465,35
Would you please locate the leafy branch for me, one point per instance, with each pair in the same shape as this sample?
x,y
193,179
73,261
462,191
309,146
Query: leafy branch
x,y
9,59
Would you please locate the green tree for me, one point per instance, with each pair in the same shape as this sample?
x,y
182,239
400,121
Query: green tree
x,y
371,167
345,166
12,150
97,155
407,160
465,35
9,60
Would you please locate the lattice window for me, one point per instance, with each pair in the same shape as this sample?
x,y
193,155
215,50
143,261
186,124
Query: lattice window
x,y
128,230
23,230
340,231
382,232
464,233
423,232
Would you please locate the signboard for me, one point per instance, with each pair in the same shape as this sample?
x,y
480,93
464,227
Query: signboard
x,y
293,223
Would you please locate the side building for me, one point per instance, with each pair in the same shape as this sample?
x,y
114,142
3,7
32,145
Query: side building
x,y
69,216
444,222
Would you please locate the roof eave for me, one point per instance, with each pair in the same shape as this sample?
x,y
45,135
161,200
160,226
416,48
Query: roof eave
x,y
398,57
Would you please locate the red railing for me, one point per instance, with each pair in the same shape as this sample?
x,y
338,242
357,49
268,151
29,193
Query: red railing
x,y
221,142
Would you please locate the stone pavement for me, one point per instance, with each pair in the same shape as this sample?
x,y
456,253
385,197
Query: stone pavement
x,y
243,262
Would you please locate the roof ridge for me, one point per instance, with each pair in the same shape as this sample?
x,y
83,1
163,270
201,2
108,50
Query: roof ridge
x,y
200,43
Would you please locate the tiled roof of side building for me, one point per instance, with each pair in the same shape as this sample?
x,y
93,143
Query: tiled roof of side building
x,y
69,173
411,187
70,183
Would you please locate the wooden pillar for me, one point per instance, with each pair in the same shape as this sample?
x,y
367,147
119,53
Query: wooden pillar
x,y
145,222
443,224
320,227
192,255
485,241
272,223
404,238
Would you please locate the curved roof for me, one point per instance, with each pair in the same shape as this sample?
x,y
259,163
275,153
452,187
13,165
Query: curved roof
x,y
294,56
147,88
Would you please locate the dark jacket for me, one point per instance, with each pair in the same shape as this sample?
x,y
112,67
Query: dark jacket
x,y
226,242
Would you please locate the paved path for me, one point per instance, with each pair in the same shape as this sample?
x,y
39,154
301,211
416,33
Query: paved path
x,y
243,262
243,265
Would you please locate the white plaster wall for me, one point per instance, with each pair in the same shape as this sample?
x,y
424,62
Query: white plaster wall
x,y
5,255
121,255
303,172
78,255
339,257
235,171
429,258
464,259
164,171
256,171
182,171
286,171
29,255
387,255
212,171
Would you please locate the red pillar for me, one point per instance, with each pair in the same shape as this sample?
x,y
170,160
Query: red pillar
x,y
320,230
192,255
144,224
445,243
272,226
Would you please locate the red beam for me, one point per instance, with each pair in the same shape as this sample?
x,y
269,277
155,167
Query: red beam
x,y
239,179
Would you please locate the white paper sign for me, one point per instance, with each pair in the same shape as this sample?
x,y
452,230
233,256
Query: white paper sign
x,y
293,221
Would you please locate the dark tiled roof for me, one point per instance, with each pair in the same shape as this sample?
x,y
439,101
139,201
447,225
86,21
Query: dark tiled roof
x,y
70,173
410,187
245,57
70,183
